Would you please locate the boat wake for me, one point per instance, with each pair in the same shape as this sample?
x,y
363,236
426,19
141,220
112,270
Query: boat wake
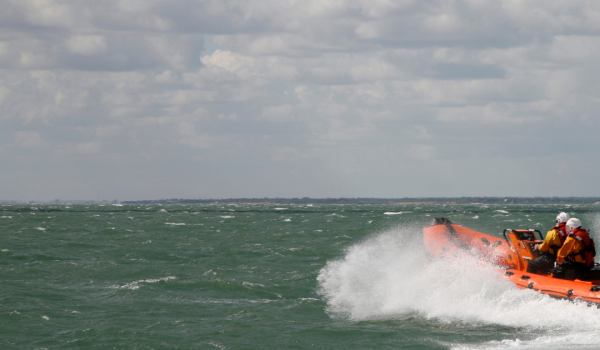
x,y
388,276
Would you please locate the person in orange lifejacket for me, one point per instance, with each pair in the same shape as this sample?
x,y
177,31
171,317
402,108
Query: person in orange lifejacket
x,y
576,256
549,248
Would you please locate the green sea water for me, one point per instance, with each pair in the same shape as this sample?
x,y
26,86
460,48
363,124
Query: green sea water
x,y
258,276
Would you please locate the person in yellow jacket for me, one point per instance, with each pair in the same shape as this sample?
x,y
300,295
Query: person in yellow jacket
x,y
576,256
549,248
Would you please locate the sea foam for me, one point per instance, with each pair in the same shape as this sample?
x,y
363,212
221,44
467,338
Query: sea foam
x,y
388,276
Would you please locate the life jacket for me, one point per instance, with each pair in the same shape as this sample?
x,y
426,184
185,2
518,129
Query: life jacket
x,y
562,234
588,252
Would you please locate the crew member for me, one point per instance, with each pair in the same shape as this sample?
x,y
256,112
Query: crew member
x,y
576,256
549,248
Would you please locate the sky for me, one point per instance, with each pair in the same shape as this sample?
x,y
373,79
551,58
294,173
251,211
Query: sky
x,y
198,99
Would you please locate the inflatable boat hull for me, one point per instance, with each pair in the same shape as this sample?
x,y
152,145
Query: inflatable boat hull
x,y
453,240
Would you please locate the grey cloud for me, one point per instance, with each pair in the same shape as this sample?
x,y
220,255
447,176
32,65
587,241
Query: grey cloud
x,y
275,98
102,51
464,71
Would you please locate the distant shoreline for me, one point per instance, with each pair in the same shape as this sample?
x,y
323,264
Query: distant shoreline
x,y
437,200
341,200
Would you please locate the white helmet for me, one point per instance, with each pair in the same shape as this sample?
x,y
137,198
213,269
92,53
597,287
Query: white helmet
x,y
562,217
573,223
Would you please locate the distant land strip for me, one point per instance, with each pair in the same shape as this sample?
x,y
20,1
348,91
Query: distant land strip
x,y
433,200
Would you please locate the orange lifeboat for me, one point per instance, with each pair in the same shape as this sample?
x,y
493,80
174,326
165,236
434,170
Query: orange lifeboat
x,y
512,254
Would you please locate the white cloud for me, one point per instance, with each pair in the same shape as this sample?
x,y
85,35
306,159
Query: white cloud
x,y
166,77
228,60
367,30
246,67
87,44
374,69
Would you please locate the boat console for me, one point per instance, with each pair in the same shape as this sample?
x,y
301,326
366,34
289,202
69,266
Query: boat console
x,y
521,245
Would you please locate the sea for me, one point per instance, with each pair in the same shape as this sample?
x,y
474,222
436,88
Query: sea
x,y
271,276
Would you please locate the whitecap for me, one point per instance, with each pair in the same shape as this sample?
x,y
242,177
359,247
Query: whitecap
x,y
228,217
281,208
136,285
501,211
252,284
217,345
392,213
287,220
175,223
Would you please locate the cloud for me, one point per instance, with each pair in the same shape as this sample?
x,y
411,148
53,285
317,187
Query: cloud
x,y
348,89
88,147
87,44
30,139
228,60
484,114
276,113
420,151
47,13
